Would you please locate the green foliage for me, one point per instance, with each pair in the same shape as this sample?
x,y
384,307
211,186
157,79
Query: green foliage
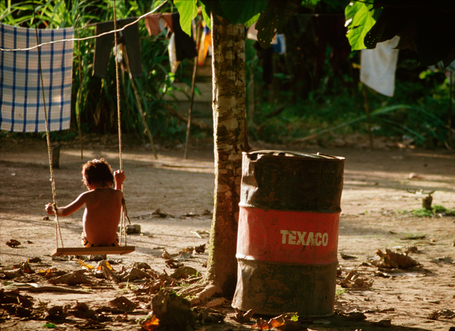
x,y
417,113
188,11
50,325
339,291
236,11
422,212
15,13
270,15
94,100
424,27
360,18
435,211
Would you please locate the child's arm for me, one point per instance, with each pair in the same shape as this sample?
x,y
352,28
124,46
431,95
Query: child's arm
x,y
69,209
119,177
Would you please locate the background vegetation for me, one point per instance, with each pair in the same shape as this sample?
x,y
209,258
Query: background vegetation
x,y
298,98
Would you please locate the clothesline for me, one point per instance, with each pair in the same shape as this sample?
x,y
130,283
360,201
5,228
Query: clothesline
x,y
21,103
85,38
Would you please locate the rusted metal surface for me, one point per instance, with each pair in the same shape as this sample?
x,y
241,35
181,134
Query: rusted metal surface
x,y
292,181
288,232
274,288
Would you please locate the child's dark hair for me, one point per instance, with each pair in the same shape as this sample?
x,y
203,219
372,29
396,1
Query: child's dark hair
x,y
97,172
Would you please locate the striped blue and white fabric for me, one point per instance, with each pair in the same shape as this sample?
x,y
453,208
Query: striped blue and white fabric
x,y
21,96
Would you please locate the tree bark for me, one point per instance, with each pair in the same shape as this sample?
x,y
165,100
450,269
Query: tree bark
x,y
229,121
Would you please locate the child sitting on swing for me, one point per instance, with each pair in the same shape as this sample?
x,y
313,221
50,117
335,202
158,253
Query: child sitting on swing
x,y
103,204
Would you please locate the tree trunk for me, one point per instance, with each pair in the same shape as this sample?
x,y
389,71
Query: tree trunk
x,y
229,119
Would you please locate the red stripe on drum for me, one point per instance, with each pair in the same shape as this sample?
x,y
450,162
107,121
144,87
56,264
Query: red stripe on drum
x,y
287,236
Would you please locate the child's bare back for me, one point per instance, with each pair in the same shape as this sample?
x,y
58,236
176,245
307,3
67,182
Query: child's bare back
x,y
102,215
103,204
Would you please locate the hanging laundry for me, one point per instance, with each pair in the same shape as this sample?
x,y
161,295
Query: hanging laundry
x,y
21,92
172,53
129,37
280,46
204,45
378,66
185,47
155,23
440,66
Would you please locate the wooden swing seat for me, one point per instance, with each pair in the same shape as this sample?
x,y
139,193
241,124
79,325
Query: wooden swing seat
x,y
118,250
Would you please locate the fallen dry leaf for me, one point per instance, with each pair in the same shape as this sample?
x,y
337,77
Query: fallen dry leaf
x,y
159,213
104,263
284,322
216,302
173,264
184,272
26,269
34,260
52,272
91,324
200,249
242,317
185,254
56,313
166,255
15,297
142,265
122,304
355,280
13,243
11,274
81,310
347,256
396,260
276,323
72,278
133,274
154,286
133,229
150,324
411,249
85,265
261,324
107,271
414,175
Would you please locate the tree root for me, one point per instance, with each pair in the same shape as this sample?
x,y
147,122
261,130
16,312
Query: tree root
x,y
202,292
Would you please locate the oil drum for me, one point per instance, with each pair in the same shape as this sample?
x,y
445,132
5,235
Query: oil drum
x,y
288,232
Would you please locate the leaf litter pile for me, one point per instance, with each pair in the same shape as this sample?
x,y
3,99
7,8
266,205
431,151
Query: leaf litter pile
x,y
148,300
388,264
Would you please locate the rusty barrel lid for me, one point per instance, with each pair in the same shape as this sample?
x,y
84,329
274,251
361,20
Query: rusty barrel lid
x,y
287,180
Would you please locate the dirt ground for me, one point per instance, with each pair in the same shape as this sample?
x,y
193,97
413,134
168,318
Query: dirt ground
x,y
381,189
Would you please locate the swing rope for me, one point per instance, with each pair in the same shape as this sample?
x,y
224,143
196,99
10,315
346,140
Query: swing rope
x,y
58,232
119,123
117,82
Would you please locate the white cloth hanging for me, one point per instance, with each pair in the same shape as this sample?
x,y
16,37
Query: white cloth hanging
x,y
378,66
172,54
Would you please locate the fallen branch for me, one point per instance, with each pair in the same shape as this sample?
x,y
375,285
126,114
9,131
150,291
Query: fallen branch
x,y
40,289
